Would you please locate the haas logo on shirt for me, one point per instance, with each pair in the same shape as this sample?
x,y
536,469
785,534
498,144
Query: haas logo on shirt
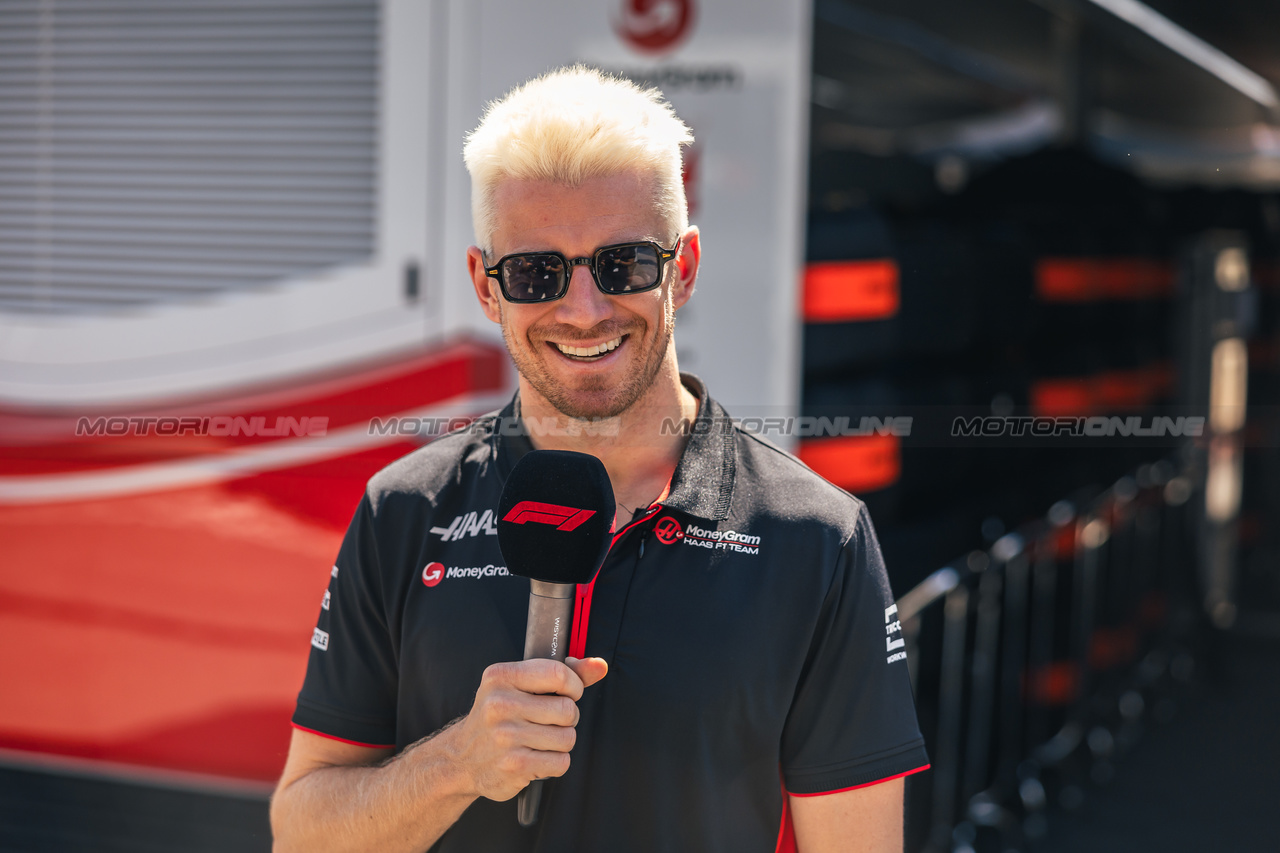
x,y
668,530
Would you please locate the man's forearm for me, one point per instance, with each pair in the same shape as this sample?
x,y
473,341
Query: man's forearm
x,y
403,804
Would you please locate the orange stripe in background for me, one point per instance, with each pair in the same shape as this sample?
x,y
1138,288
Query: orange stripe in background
x,y
858,463
1092,279
1104,392
849,291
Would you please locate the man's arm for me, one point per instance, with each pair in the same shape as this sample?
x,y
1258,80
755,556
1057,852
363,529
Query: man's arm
x,y
862,820
338,796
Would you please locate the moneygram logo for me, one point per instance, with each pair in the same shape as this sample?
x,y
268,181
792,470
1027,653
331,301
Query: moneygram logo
x,y
434,573
654,26
669,531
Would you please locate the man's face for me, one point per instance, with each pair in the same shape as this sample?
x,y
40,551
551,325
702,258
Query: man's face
x,y
552,343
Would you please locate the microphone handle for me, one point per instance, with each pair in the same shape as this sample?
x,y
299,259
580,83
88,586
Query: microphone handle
x,y
546,635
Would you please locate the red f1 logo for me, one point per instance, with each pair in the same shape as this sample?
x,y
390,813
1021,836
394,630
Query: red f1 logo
x,y
560,517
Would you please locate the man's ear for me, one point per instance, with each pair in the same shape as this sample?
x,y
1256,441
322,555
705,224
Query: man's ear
x,y
687,266
486,287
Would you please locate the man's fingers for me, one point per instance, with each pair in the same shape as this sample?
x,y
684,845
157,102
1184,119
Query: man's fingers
x,y
589,670
545,738
554,711
537,676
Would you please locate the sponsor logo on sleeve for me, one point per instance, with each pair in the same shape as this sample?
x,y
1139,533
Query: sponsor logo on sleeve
x,y
669,531
334,573
324,602
891,643
320,639
468,524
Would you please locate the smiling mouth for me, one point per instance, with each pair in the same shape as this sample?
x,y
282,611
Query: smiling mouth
x,y
589,353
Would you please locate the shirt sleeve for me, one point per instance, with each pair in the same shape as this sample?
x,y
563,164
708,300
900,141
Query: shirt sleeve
x,y
352,675
853,719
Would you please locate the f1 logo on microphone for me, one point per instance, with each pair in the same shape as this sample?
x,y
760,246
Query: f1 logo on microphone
x,y
560,517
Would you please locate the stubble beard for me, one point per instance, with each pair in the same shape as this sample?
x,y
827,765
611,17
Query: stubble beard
x,y
592,401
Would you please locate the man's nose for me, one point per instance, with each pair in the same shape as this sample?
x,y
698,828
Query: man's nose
x,y
583,304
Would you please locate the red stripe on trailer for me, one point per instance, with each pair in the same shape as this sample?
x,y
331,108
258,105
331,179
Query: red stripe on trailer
x,y
48,442
858,463
213,585
850,291
1078,280
1102,393
1053,397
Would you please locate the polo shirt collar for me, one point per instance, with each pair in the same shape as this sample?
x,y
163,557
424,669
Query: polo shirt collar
x,y
703,481
702,484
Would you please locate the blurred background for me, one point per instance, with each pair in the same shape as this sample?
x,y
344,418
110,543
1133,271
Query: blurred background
x,y
1008,270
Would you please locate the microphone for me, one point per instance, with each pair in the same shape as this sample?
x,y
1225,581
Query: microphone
x,y
554,520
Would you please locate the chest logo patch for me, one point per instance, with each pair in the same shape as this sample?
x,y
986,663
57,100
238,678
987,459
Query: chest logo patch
x,y
668,530
434,573
469,524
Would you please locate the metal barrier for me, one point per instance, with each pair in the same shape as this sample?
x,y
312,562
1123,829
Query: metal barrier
x,y
1034,662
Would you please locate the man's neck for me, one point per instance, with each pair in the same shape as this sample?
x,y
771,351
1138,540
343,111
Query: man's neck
x,y
640,448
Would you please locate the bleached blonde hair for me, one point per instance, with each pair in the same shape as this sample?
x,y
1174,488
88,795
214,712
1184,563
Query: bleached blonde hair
x,y
568,126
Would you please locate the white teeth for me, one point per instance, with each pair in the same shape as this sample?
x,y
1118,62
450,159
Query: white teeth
x,y
586,352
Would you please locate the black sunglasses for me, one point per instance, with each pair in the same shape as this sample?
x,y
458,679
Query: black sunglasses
x,y
620,269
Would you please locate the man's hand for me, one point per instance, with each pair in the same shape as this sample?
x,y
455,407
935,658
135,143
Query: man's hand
x,y
340,796
521,726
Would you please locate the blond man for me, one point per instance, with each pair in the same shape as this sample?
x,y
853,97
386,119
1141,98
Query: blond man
x,y
728,687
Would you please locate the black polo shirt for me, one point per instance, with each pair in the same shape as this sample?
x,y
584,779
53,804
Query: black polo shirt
x,y
748,624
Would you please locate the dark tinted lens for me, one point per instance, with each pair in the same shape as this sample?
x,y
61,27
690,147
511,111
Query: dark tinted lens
x,y
533,277
624,269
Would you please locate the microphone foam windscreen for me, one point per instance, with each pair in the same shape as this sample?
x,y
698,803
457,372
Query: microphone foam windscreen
x,y
555,516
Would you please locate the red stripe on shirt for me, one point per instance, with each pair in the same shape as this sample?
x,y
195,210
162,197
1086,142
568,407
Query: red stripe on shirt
x,y
344,740
787,831
582,600
863,785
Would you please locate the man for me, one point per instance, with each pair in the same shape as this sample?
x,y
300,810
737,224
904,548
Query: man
x,y
742,613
